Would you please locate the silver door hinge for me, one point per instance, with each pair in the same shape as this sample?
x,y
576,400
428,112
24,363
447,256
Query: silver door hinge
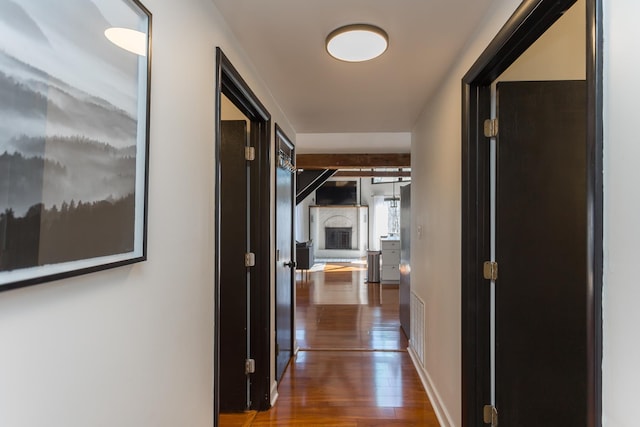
x,y
249,366
249,259
490,270
491,128
490,415
249,153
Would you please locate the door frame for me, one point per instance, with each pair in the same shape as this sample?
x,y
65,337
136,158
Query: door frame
x,y
529,21
229,82
281,135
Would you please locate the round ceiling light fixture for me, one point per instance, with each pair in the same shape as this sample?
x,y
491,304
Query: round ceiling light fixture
x,y
357,42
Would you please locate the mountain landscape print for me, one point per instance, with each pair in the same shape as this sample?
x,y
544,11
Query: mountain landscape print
x,y
72,136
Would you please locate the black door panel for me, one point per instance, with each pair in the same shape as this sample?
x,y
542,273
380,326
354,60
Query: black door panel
x,y
541,248
233,273
285,252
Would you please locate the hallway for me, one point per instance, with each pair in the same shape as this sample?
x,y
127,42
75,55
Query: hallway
x,y
352,368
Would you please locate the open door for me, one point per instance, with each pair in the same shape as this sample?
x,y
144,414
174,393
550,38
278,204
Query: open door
x,y
285,255
235,278
405,260
541,250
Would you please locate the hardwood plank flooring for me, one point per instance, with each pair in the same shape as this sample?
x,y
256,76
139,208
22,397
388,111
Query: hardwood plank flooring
x,y
237,420
353,369
350,388
337,309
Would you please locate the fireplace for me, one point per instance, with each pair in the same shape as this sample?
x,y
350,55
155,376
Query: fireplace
x,y
337,237
338,231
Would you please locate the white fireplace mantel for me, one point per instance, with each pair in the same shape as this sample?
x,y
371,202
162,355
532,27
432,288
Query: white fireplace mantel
x,y
354,217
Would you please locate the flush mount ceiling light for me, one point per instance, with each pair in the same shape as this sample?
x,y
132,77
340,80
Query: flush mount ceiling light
x,y
128,39
357,42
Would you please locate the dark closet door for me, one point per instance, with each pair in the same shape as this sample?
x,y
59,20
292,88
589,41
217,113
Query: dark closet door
x,y
285,267
234,277
541,235
405,259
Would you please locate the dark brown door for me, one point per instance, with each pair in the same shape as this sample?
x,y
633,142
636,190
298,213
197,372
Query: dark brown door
x,y
285,266
234,276
405,259
541,250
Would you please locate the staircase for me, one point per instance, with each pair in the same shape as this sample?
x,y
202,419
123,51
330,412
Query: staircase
x,y
307,181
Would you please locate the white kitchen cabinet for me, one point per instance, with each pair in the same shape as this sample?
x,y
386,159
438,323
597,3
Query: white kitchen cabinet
x,y
390,269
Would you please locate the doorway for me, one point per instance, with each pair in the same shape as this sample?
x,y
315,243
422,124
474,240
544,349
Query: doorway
x,y
573,300
242,246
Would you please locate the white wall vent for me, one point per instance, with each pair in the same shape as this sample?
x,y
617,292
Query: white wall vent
x,y
417,327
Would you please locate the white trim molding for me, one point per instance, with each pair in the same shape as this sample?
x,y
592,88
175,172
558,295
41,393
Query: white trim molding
x,y
274,393
444,418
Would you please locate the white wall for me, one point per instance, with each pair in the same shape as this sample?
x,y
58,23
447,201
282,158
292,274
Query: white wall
x,y
621,372
436,208
133,346
313,143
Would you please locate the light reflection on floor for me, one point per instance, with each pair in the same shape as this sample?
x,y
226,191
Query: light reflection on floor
x,y
337,308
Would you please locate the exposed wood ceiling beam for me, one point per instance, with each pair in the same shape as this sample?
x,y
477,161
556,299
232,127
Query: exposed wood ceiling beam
x,y
371,174
353,161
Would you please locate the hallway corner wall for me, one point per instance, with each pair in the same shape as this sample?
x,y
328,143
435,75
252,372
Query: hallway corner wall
x,y
436,222
133,346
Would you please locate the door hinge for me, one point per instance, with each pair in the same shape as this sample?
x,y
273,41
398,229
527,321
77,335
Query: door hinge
x,y
490,415
249,366
249,259
249,153
277,349
490,270
491,128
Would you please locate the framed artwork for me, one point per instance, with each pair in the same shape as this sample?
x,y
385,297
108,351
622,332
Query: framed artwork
x,y
74,136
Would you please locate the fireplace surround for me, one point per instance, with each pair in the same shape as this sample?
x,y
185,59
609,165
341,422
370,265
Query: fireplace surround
x,y
338,231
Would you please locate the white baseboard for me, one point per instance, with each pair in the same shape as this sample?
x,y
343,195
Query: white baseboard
x,y
444,418
274,393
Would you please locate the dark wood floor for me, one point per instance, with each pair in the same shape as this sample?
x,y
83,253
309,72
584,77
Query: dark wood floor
x,y
352,369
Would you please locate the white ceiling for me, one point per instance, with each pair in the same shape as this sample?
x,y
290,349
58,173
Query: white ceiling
x,y
319,94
